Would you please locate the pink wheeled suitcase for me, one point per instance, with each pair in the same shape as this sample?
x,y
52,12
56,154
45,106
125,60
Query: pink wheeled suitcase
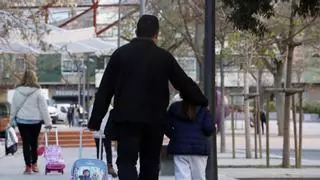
x,y
53,155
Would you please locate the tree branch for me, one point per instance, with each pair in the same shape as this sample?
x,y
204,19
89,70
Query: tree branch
x,y
268,64
301,29
228,64
185,24
125,38
254,77
176,45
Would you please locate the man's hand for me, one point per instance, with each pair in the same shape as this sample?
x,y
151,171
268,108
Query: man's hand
x,y
91,128
11,124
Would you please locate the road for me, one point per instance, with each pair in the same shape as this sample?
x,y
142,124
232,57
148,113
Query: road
x,y
307,154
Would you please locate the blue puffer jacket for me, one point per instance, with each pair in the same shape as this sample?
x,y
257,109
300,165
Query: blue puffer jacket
x,y
189,137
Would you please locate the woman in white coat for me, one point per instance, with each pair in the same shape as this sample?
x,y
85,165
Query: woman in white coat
x,y
28,111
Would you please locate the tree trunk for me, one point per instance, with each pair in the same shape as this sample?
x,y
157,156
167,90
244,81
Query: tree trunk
x,y
260,89
199,39
246,111
286,130
222,129
279,99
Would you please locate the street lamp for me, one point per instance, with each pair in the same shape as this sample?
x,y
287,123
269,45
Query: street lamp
x,y
84,92
142,7
119,23
209,83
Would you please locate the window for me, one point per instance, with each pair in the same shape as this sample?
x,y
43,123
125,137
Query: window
x,y
69,65
63,109
188,64
20,64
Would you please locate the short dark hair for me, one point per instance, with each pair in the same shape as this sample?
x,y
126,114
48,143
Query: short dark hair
x,y
148,26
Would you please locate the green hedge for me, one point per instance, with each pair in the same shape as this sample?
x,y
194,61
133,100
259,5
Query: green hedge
x,y
311,107
272,106
308,107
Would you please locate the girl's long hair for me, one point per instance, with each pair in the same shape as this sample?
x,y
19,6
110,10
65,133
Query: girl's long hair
x,y
189,110
29,79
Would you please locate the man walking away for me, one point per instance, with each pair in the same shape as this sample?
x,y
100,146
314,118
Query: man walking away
x,y
70,115
137,76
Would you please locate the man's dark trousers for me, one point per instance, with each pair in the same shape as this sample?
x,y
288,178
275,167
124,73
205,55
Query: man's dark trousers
x,y
143,140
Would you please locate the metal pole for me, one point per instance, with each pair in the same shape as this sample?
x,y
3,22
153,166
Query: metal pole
x,y
255,123
119,23
142,7
79,82
87,90
232,129
84,69
259,126
300,129
209,84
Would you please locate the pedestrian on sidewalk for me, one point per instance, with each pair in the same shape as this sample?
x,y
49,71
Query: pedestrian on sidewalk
x,y
70,115
28,111
106,141
188,128
263,119
76,115
138,75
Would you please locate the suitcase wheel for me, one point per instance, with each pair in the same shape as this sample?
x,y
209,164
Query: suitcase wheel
x,y
46,171
61,171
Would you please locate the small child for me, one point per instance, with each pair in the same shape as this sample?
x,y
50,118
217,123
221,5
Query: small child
x,y
106,141
188,129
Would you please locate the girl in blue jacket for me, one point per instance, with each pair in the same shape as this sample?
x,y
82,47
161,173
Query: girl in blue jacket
x,y
188,129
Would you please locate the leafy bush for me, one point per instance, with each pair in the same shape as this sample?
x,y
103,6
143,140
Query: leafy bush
x,y
311,107
272,106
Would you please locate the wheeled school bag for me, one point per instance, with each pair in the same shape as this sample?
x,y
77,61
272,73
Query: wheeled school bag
x,y
53,155
89,169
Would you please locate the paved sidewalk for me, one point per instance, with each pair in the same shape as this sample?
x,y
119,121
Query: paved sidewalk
x,y
272,173
225,160
11,167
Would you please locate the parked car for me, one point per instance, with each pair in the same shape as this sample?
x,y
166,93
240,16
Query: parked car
x,y
62,109
62,112
53,111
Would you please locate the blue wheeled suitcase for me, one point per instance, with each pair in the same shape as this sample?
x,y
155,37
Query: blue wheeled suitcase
x,y
89,169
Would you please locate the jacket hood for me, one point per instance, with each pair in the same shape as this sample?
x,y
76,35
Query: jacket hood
x,y
176,110
26,90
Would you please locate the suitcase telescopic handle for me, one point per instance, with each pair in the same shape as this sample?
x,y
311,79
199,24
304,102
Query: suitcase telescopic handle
x,y
81,142
46,135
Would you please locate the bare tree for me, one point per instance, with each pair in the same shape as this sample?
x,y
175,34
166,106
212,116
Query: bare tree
x,y
22,31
